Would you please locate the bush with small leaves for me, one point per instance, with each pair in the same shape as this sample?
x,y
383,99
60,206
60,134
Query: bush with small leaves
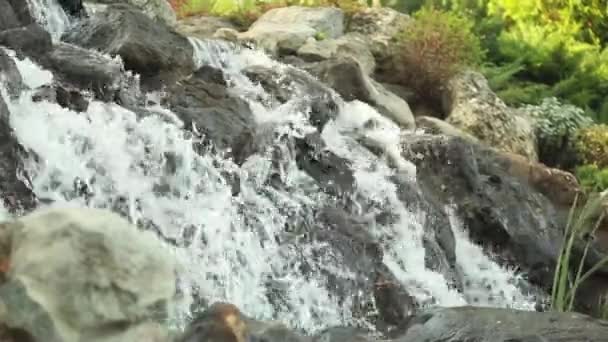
x,y
592,178
436,46
556,127
592,144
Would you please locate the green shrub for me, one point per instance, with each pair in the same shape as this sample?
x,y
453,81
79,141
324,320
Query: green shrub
x,y
556,127
434,47
592,178
592,145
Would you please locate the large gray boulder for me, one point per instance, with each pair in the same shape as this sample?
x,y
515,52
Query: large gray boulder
x,y
285,30
149,48
473,107
350,45
71,279
202,27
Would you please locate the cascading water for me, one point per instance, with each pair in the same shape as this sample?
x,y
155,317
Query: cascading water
x,y
50,15
227,245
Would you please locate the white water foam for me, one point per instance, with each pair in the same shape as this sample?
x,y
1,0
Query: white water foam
x,y
51,16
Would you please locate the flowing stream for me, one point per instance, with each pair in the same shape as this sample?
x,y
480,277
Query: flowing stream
x,y
226,245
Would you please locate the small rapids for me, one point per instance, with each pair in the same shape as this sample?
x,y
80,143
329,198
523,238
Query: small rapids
x,y
229,247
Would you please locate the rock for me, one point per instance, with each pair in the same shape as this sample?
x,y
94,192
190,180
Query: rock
x,y
347,78
350,45
227,34
343,334
379,26
203,102
158,10
72,99
502,325
73,8
473,107
8,19
11,77
17,196
22,11
86,69
146,47
285,30
202,27
432,125
223,322
31,40
501,212
290,84
116,286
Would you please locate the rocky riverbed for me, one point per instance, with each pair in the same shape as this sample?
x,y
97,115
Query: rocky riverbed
x,y
193,180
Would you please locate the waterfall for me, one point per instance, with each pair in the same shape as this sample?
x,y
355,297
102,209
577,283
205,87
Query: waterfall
x,y
227,245
51,16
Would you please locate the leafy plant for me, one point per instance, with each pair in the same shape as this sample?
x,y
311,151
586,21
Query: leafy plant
x,y
592,144
592,178
556,126
581,222
436,46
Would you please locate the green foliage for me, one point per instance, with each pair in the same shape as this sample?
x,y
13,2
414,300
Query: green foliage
x,y
556,127
434,47
592,144
581,222
592,178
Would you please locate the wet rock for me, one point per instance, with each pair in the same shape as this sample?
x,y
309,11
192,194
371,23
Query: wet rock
x,y
346,77
73,7
8,19
290,84
31,40
285,30
370,280
149,48
22,11
501,212
202,27
333,173
473,107
72,99
223,322
158,10
86,70
11,77
17,196
203,102
343,334
117,287
502,325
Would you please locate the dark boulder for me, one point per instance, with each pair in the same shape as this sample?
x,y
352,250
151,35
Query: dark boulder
x,y
502,325
73,7
204,103
17,196
501,212
304,90
31,40
85,69
72,99
8,19
343,334
149,48
21,9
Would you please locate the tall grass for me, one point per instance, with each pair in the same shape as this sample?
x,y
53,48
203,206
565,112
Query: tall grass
x,y
582,224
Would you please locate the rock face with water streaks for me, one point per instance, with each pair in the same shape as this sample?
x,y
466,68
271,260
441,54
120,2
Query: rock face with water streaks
x,y
153,50
70,279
